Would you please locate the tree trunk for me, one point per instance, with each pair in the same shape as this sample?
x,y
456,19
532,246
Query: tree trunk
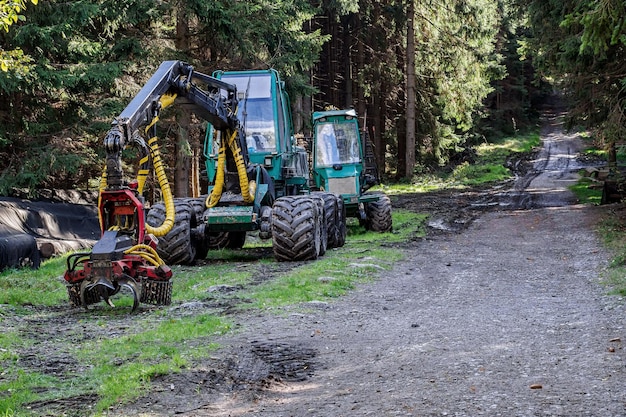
x,y
612,156
183,156
379,140
360,64
347,22
401,138
410,90
183,149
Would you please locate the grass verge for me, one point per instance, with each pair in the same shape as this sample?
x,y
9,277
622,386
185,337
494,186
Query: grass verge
x,y
586,192
488,166
110,357
613,232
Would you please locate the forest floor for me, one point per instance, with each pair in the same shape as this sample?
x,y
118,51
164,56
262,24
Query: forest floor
x,y
499,311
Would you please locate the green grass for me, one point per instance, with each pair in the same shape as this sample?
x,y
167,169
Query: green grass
x,y
327,278
603,153
117,369
23,387
585,193
406,226
364,256
123,366
193,283
41,287
472,175
613,232
488,167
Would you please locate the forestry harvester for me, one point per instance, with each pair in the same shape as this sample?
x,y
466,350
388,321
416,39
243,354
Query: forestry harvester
x,y
344,164
258,176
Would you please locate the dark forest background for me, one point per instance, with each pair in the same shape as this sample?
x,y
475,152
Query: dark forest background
x,y
429,79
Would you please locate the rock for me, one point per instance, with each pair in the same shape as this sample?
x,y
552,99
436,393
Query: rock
x,y
222,288
359,265
322,305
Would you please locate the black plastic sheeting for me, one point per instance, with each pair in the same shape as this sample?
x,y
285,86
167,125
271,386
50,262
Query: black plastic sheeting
x,y
19,250
60,226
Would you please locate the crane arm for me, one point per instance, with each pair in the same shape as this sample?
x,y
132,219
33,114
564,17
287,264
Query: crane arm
x,y
172,79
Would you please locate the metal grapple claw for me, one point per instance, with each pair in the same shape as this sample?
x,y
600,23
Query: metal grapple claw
x,y
103,288
131,284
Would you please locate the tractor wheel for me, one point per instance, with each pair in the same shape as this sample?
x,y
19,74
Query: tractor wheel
x,y
317,197
340,225
199,206
176,247
330,218
296,234
200,241
379,214
226,240
236,240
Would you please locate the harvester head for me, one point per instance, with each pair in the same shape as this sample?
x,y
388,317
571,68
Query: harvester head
x,y
124,257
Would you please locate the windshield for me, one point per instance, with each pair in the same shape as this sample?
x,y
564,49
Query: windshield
x,y
337,143
255,111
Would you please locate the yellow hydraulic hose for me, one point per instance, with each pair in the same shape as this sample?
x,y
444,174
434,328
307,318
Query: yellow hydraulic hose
x,y
247,188
168,199
166,100
103,186
142,174
147,253
216,192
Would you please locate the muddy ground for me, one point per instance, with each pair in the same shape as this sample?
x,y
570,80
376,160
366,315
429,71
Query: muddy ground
x,y
499,311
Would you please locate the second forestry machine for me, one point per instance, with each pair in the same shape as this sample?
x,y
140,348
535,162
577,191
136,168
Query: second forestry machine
x,y
258,176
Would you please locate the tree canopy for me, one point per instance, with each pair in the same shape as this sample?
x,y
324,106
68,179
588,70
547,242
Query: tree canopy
x,y
478,66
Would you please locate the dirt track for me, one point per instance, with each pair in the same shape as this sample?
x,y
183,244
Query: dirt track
x,y
500,314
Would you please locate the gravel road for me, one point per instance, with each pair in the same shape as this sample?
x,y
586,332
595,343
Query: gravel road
x,y
501,314
504,318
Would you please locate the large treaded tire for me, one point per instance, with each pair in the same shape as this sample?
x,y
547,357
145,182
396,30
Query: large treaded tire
x,y
228,240
342,229
296,234
198,204
321,215
176,247
331,218
379,214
